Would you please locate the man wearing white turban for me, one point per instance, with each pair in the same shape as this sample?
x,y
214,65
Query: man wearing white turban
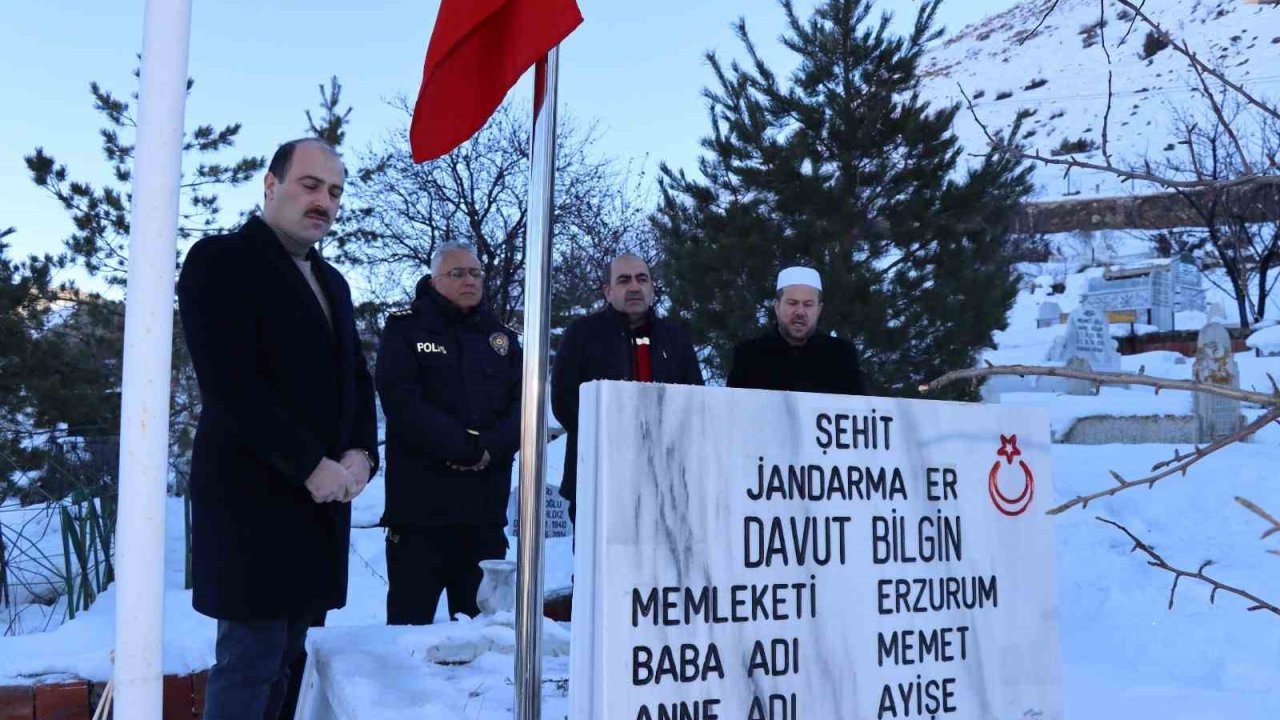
x,y
793,355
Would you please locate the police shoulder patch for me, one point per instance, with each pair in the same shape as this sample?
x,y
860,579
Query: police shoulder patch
x,y
500,343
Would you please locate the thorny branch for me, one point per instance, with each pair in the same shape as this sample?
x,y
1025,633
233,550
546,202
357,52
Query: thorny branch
x,y
1178,465
1157,561
1275,524
1175,466
1104,378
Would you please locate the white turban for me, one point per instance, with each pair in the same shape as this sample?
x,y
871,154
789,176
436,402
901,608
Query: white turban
x,y
797,275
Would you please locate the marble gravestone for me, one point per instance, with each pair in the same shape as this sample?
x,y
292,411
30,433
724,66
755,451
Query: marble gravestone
x,y
1049,315
1216,417
1089,337
762,555
555,514
1075,386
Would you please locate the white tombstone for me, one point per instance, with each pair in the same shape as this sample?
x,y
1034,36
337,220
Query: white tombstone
x,y
754,554
1216,417
1050,315
555,517
1154,293
1216,313
1076,386
1089,337
1162,299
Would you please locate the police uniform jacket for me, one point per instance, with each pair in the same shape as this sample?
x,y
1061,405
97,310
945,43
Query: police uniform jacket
x,y
450,390
599,347
281,387
824,364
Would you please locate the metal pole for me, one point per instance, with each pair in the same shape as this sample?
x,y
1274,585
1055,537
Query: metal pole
x,y
533,420
148,354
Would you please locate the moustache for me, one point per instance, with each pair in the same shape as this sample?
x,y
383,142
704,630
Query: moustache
x,y
318,214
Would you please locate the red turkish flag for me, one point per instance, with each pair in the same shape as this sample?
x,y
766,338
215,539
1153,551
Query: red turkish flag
x,y
478,50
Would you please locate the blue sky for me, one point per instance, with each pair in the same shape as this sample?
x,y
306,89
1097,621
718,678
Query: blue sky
x,y
637,68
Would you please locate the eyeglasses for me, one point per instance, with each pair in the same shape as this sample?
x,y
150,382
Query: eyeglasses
x,y
459,273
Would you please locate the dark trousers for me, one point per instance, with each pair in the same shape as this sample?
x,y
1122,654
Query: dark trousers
x,y
421,562
294,687
250,677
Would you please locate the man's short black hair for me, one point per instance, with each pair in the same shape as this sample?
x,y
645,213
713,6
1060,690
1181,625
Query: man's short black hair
x,y
283,158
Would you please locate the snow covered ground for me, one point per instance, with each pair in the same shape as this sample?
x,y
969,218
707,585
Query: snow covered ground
x,y
1125,654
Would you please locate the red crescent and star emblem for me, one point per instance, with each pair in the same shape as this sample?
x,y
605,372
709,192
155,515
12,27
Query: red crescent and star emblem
x,y
1010,506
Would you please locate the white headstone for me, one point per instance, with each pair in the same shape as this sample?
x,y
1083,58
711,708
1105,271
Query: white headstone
x,y
751,554
555,518
1089,337
1050,315
1153,294
1076,386
1216,312
1216,417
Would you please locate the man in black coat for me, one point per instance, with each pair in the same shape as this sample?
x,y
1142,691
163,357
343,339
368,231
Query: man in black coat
x,y
792,355
624,341
449,378
287,434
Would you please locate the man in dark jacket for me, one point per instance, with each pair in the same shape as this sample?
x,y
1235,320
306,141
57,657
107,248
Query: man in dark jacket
x,y
792,355
449,378
287,434
625,341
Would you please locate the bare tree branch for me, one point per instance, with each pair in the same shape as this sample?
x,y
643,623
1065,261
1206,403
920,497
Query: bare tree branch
x,y
1157,561
1221,116
1126,175
1048,11
1195,60
1106,117
1103,378
1133,22
1177,465
1275,524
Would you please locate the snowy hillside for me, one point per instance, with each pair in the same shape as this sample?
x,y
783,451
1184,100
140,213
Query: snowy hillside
x,y
1060,75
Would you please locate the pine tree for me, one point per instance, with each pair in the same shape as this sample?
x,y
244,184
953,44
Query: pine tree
x,y
25,290
100,212
845,168
332,127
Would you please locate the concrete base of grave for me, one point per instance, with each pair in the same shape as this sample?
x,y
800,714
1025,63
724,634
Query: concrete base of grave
x,y
1131,430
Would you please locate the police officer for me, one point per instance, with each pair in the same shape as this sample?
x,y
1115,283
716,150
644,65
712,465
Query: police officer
x,y
792,355
448,375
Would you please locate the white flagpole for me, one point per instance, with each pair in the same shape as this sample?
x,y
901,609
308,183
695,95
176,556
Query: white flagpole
x,y
533,421
148,353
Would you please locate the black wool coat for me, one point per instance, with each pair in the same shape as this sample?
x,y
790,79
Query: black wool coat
x,y
599,347
280,389
824,364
